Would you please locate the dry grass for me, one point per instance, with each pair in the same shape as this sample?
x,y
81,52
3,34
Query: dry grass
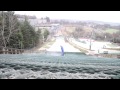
x,y
70,29
78,47
87,29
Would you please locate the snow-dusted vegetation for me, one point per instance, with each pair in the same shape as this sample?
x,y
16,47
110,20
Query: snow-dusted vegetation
x,y
70,66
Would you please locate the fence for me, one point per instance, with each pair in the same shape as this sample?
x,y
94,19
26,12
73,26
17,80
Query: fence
x,y
4,50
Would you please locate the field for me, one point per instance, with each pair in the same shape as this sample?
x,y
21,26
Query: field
x,y
111,31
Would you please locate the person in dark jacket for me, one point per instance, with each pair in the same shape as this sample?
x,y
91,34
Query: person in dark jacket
x,y
62,50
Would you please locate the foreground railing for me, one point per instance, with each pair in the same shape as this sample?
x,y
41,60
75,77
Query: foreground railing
x,y
5,50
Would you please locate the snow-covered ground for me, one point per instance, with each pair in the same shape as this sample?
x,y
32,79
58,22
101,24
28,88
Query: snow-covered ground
x,y
60,42
95,45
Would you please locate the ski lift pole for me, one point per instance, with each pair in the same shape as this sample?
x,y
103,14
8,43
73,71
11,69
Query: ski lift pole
x,y
90,40
90,44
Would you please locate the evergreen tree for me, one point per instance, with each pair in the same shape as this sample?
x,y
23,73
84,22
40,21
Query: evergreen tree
x,y
30,37
15,34
46,33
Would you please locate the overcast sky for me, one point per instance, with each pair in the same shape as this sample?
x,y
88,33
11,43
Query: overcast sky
x,y
107,16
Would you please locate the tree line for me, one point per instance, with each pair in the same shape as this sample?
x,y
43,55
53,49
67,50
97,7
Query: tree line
x,y
96,34
20,35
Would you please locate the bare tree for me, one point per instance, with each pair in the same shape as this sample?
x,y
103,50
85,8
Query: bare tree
x,y
9,26
2,29
12,27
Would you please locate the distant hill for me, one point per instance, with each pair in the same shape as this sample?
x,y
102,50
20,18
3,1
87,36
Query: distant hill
x,y
86,21
101,22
